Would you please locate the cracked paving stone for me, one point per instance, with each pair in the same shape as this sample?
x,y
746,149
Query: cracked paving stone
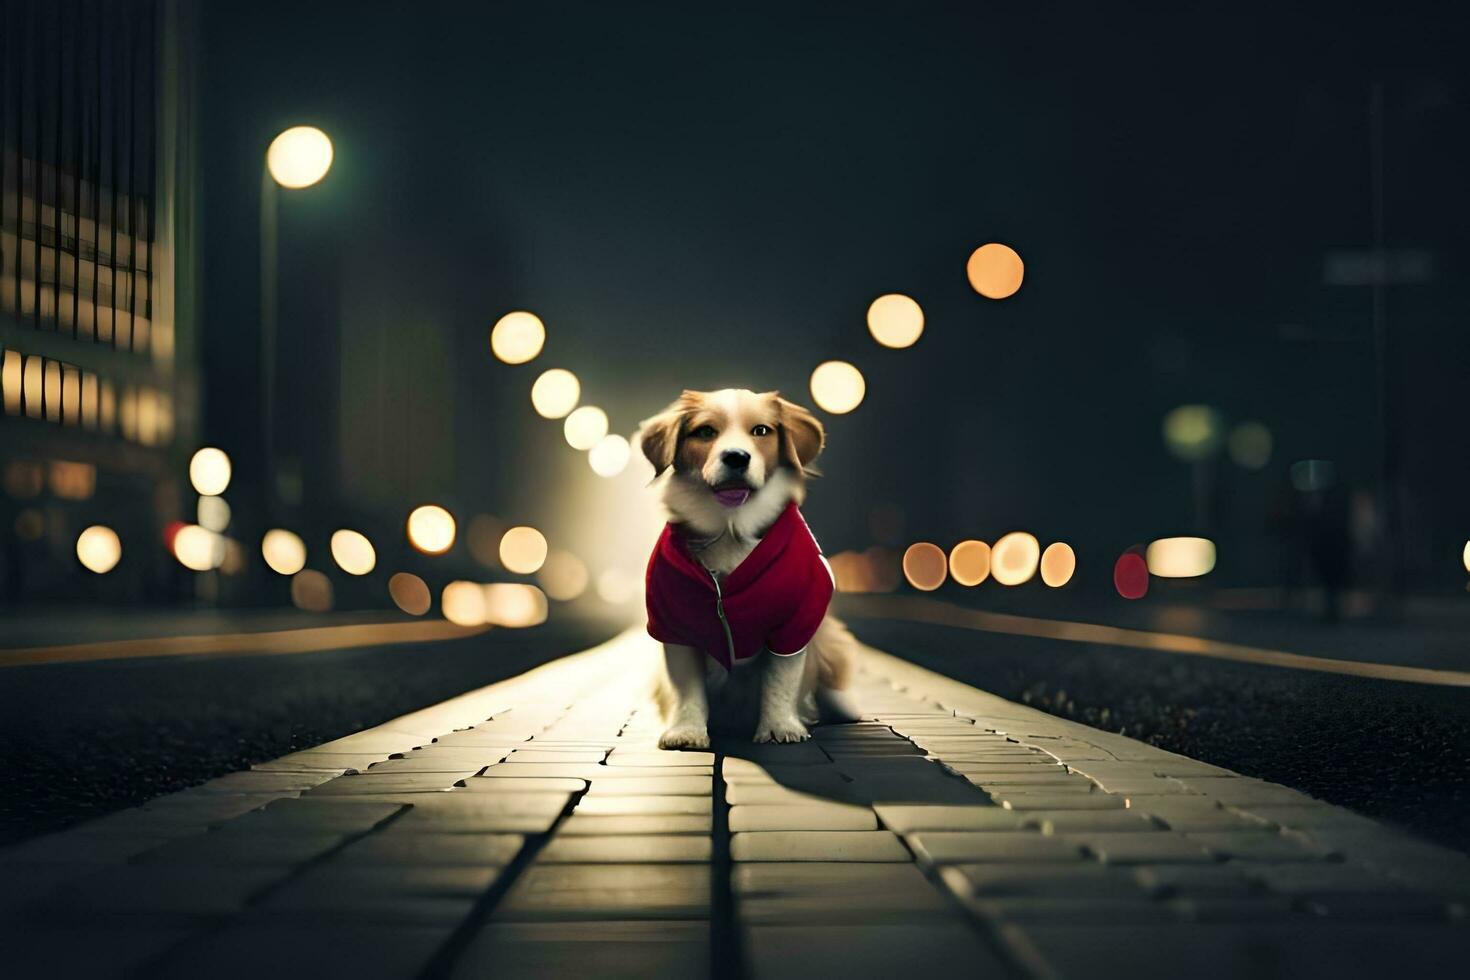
x,y
608,892
626,849
368,784
618,950
802,845
960,847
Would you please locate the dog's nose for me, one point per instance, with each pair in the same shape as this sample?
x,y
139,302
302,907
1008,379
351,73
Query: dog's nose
x,y
735,459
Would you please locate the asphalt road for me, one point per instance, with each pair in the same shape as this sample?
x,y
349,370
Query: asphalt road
x,y
85,739
1395,751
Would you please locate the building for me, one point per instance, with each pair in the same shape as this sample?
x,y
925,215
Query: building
x,y
98,351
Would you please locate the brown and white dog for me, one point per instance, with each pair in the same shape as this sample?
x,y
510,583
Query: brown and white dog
x,y
736,459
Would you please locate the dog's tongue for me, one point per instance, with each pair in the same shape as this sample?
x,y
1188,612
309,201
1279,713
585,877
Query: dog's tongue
x,y
733,497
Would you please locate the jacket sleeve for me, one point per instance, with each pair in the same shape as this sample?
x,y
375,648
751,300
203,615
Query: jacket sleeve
x,y
794,634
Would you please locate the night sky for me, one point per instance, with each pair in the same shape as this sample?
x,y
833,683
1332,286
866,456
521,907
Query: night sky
x,y
701,197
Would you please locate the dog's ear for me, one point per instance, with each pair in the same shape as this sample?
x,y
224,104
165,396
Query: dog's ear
x,y
658,436
802,436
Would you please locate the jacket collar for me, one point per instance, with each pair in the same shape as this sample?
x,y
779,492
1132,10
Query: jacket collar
x,y
770,547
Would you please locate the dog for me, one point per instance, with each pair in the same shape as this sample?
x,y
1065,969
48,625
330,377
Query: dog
x,y
737,587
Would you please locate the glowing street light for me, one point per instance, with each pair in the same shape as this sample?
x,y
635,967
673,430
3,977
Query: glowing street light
x,y
925,565
838,387
463,603
895,320
517,337
98,549
995,271
209,471
1014,558
431,529
555,393
969,562
610,456
523,550
1058,564
585,427
299,157
410,593
198,548
1180,557
1193,432
353,552
283,551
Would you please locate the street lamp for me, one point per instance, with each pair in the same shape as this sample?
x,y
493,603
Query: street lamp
x,y
297,158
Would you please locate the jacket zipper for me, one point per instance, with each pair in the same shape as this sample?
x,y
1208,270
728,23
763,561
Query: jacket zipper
x,y
720,611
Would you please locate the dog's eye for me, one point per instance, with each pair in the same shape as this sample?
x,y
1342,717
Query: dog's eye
x,y
762,430
704,432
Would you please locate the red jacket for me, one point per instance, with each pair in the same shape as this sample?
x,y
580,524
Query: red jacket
x,y
775,599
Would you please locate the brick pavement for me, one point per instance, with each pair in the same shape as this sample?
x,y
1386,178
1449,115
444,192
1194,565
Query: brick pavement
x,y
532,828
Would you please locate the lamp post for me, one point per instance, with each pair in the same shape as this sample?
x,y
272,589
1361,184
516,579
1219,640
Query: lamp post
x,y
298,158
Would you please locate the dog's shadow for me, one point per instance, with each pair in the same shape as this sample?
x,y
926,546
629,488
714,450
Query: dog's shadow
x,y
863,763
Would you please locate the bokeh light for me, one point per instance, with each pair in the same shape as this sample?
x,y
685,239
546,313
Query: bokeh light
x,y
283,551
1130,574
1250,445
1058,564
838,387
463,603
98,549
585,427
209,471
523,550
610,456
563,575
925,566
995,271
1180,557
431,529
213,513
1465,556
895,320
197,548
1193,432
1014,558
555,393
969,562
311,590
353,552
410,593
517,337
514,605
618,587
299,157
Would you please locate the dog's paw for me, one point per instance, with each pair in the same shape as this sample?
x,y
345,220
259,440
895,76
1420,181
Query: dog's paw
x,y
685,737
783,730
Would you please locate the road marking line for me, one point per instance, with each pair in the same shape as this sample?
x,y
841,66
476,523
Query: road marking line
x,y
918,610
309,640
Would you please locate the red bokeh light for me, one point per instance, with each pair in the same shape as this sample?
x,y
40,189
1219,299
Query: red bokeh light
x,y
1130,574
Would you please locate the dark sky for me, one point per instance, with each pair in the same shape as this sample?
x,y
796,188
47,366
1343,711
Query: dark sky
x,y
698,197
